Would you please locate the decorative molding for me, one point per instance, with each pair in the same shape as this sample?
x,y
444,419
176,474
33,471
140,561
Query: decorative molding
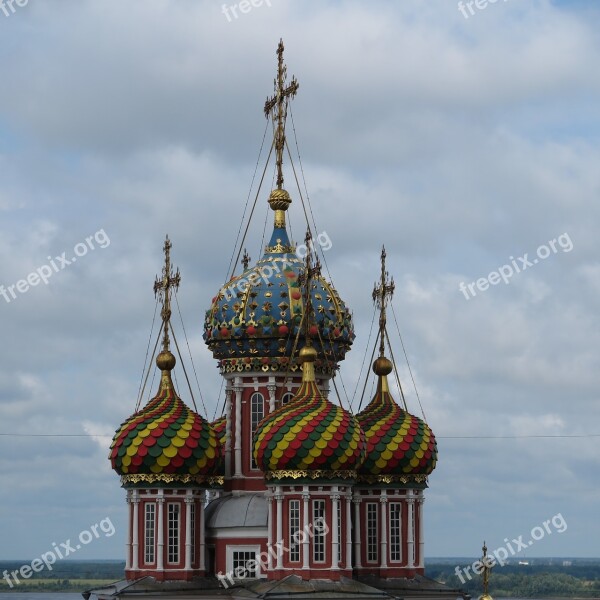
x,y
169,478
406,479
269,475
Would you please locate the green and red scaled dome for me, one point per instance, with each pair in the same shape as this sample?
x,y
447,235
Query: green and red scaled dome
x,y
309,437
166,441
398,443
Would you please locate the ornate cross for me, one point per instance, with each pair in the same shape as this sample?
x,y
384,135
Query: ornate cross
x,y
245,259
485,571
163,287
278,105
381,294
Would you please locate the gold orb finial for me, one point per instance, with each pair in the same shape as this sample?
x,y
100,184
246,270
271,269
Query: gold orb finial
x,y
307,354
279,200
382,366
165,361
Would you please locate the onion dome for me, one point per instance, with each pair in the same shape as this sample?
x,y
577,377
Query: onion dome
x,y
220,428
166,441
398,443
309,437
254,319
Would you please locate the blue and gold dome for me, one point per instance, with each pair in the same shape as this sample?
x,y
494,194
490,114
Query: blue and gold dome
x,y
253,322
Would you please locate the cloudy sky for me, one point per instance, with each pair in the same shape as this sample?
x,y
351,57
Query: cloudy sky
x,y
462,140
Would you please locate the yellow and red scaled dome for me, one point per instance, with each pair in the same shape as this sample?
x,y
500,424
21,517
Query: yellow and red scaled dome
x,y
166,438
309,437
398,443
220,428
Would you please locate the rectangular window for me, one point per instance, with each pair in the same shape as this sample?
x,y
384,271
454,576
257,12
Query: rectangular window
x,y
294,527
173,533
319,530
395,531
242,567
372,518
149,531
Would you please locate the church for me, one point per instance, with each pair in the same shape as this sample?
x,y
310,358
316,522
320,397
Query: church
x,y
288,494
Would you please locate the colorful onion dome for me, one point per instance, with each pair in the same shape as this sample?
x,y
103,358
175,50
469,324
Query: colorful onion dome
x,y
253,321
398,443
165,441
220,428
309,437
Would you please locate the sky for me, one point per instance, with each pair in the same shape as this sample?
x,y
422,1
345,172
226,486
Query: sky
x,y
466,141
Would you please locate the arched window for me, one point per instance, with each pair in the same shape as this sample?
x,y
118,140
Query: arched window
x,y
257,412
287,397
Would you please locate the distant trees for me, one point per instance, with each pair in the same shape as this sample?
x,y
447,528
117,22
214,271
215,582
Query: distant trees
x,y
527,581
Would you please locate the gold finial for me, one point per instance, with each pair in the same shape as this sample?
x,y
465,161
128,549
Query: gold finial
x,y
485,574
163,286
381,294
278,104
245,259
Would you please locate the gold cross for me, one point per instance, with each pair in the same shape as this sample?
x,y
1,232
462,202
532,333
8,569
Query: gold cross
x,y
381,294
278,104
246,259
163,287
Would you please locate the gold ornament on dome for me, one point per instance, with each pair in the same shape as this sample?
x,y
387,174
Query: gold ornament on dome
x,y
283,474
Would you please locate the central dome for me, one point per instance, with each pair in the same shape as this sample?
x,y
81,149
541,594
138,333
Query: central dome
x,y
254,320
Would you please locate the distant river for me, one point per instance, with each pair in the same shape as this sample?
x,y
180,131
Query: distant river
x,y
41,596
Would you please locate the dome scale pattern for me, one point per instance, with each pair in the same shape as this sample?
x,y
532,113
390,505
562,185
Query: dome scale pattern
x,y
398,443
309,437
166,441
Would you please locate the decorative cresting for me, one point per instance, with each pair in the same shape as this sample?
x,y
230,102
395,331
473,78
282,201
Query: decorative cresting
x,y
166,442
255,318
309,438
401,448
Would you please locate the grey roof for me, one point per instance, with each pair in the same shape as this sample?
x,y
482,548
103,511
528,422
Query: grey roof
x,y
291,587
244,510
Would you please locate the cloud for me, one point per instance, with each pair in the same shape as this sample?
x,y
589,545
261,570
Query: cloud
x,y
456,143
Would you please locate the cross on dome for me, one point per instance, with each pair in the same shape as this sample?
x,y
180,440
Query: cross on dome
x,y
277,105
381,294
163,286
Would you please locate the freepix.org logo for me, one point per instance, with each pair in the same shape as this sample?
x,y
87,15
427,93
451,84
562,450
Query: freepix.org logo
x,y
318,528
59,552
54,265
500,555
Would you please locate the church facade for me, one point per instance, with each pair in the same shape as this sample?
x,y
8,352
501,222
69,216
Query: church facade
x,y
288,487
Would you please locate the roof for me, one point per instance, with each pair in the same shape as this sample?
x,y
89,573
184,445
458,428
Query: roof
x,y
244,510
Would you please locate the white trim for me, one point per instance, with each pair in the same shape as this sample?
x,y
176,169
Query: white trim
x,y
232,533
258,574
